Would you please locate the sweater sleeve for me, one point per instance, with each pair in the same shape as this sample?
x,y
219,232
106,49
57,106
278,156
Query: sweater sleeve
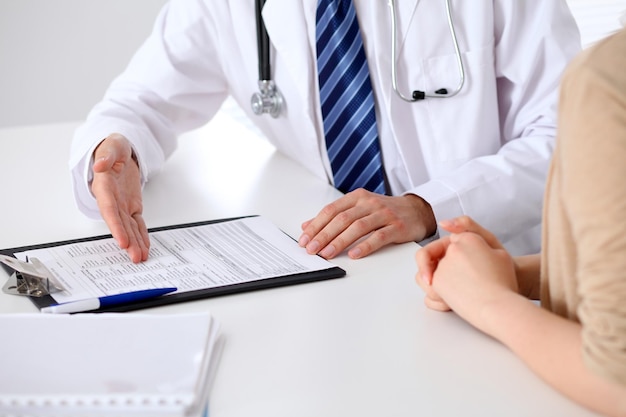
x,y
593,141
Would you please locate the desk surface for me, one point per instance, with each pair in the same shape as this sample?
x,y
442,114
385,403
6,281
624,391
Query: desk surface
x,y
363,345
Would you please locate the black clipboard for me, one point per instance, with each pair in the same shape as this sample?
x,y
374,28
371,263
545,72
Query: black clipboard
x,y
273,282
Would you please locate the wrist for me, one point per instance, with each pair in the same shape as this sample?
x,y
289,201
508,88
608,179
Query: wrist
x,y
502,314
426,217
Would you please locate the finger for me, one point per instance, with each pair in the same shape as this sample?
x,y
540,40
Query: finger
x,y
113,218
103,164
438,305
132,244
305,224
467,224
354,228
431,298
144,237
427,258
423,284
304,238
356,223
115,148
381,235
456,237
467,241
139,244
313,227
343,230
129,226
378,239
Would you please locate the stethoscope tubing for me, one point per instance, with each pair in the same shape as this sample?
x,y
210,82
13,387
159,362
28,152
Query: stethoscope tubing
x,y
263,43
394,59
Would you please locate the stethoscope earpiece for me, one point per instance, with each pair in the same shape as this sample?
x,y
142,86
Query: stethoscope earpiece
x,y
418,95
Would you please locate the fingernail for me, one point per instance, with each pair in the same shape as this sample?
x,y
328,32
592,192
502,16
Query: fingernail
x,y
304,240
425,279
447,223
313,247
355,253
328,251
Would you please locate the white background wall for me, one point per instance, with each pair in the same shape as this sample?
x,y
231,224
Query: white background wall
x,y
58,56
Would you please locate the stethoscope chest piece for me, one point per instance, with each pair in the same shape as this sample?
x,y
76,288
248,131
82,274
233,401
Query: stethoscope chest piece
x,y
267,100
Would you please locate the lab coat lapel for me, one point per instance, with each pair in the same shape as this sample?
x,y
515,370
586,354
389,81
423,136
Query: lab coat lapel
x,y
285,21
405,16
291,27
378,43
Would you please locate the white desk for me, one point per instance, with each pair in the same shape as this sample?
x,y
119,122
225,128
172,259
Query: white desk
x,y
363,345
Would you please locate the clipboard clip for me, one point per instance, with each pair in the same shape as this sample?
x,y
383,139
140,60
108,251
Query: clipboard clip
x,y
31,278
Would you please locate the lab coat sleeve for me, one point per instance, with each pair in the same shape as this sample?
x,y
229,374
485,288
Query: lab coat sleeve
x,y
534,41
173,83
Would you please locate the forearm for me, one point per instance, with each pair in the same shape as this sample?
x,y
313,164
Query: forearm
x,y
552,347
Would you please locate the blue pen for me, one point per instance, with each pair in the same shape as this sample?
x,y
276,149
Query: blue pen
x,y
106,301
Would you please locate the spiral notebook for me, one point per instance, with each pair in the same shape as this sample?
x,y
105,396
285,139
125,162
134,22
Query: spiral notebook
x,y
107,364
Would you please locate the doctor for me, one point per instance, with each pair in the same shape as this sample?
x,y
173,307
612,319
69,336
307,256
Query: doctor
x,y
483,152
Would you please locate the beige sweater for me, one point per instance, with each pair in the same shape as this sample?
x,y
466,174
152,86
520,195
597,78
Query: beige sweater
x,y
583,274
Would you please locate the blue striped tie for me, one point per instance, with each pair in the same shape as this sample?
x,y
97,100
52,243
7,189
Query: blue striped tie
x,y
347,99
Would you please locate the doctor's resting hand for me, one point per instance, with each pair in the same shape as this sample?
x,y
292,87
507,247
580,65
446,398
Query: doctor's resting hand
x,y
117,188
360,213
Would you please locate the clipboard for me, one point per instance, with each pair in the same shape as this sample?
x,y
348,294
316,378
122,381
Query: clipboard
x,y
240,287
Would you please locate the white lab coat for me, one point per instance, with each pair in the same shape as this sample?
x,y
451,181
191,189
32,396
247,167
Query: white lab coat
x,y
484,152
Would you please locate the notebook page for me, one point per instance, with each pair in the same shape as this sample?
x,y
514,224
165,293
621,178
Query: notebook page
x,y
102,362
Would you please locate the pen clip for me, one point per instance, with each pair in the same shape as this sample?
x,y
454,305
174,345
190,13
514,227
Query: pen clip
x,y
30,278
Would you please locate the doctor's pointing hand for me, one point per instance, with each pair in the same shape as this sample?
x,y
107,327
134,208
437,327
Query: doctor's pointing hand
x,y
418,112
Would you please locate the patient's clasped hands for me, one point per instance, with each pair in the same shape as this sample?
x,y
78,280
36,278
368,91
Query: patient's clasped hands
x,y
466,271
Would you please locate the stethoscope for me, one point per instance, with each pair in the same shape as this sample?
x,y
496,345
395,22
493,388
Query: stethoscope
x,y
418,95
269,100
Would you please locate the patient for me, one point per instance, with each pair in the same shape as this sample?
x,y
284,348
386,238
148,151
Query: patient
x,y
577,341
